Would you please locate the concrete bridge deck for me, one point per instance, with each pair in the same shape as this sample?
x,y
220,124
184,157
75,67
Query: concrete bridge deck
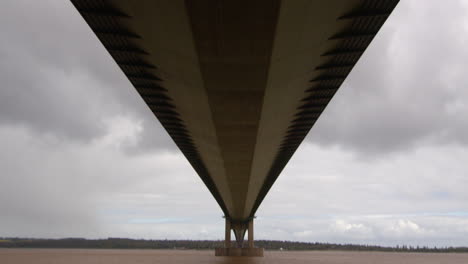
x,y
237,84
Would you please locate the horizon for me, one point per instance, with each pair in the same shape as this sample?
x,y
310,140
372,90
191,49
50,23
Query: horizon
x,y
261,241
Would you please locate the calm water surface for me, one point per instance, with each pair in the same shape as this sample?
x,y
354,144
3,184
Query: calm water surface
x,y
104,256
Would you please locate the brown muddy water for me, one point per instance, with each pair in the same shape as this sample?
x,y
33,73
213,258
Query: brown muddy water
x,y
117,256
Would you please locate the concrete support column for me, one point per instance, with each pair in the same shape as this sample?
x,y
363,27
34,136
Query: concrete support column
x,y
251,235
227,235
239,228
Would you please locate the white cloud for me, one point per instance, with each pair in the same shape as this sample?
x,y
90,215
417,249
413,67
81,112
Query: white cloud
x,y
353,230
331,194
122,132
403,227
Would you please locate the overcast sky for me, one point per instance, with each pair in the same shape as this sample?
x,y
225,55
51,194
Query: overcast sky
x,y
82,156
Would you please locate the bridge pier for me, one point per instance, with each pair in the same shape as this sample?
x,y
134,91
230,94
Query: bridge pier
x,y
227,235
239,228
251,236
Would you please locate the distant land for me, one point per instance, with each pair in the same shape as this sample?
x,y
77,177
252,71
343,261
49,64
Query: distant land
x,y
125,243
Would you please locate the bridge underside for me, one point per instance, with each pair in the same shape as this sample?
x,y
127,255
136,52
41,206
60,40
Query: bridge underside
x,y
237,84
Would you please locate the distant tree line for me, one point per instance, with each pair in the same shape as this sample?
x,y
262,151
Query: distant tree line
x,y
125,243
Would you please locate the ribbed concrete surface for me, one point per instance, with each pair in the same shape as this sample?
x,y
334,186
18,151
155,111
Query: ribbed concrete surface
x,y
237,84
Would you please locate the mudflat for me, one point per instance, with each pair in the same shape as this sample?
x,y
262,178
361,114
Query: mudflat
x,y
119,256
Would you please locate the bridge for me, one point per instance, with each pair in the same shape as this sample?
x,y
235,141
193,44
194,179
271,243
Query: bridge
x,y
237,84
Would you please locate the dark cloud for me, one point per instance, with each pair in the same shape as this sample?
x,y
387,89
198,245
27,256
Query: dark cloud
x,y
408,88
58,79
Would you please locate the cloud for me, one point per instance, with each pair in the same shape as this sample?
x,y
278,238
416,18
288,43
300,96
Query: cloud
x,y
58,79
408,88
403,227
345,227
53,189
331,194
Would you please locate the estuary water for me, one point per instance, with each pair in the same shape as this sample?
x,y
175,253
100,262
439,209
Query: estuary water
x,y
118,256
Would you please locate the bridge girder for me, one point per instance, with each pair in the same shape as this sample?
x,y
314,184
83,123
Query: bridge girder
x,y
237,84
